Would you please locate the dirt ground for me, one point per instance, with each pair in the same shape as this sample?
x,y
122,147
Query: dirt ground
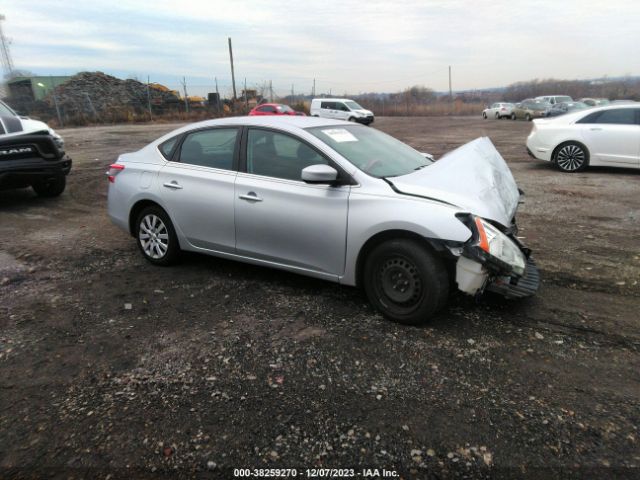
x,y
113,368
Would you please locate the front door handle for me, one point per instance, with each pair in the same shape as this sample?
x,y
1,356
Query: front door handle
x,y
251,196
173,184
595,129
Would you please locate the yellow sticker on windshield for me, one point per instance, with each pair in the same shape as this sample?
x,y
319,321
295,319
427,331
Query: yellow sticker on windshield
x,y
340,135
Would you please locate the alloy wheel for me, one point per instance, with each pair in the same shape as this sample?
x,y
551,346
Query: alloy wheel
x,y
153,236
570,158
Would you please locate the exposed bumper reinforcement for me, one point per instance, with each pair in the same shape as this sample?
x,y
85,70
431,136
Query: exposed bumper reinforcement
x,y
525,286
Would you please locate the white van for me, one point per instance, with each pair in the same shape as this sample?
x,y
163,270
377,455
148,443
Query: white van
x,y
340,109
553,99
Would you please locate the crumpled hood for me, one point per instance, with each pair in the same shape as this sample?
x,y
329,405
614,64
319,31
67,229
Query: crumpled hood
x,y
473,177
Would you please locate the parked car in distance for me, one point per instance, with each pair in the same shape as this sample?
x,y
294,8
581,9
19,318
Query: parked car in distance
x,y
595,102
341,109
274,109
608,136
530,109
498,110
332,200
553,99
566,107
31,155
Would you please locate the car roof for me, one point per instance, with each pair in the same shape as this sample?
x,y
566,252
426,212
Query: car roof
x,y
284,122
332,99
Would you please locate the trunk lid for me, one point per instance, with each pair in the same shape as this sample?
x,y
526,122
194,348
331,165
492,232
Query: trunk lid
x,y
473,177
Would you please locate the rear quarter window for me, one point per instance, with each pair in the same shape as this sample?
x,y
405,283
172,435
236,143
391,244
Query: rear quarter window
x,y
166,148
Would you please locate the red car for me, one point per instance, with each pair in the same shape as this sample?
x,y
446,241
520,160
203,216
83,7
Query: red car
x,y
274,109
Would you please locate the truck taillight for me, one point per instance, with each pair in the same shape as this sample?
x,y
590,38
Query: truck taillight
x,y
114,169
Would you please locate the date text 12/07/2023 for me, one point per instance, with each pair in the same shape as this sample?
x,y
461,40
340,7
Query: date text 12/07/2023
x,y
314,473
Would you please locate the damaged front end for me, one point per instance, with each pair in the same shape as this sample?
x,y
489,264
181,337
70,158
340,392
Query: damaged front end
x,y
494,259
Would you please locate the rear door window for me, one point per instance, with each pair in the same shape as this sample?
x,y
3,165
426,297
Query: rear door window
x,y
212,148
617,116
166,147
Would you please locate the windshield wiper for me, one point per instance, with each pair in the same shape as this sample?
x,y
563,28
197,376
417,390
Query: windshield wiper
x,y
422,166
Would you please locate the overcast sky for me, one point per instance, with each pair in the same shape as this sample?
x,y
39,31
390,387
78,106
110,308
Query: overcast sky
x,y
348,46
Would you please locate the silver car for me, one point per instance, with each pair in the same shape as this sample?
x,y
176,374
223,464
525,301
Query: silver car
x,y
329,199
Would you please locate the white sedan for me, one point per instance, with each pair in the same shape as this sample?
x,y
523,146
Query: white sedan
x,y
605,136
498,110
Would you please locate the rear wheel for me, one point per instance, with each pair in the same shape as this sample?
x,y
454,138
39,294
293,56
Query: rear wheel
x,y
51,187
497,116
527,117
405,281
156,236
571,157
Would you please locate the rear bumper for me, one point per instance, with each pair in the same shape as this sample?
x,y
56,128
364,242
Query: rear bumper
x,y
24,171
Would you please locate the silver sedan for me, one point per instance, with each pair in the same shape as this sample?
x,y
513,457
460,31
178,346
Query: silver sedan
x,y
329,199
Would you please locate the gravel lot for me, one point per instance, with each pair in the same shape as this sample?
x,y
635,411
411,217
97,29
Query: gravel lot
x,y
110,366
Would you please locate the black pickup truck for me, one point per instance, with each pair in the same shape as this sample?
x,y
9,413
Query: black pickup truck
x,y
34,159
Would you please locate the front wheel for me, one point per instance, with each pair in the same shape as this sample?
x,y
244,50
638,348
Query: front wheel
x,y
513,116
405,281
484,115
51,187
156,236
527,117
571,157
497,116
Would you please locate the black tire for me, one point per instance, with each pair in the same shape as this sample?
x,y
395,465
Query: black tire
x,y
405,281
484,115
163,248
513,116
51,187
497,116
571,157
352,119
527,117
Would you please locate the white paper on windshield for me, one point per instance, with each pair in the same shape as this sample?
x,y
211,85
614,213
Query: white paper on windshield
x,y
340,135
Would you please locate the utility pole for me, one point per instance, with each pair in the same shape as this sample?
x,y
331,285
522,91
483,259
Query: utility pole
x,y
233,75
246,96
186,97
292,96
270,91
450,91
217,93
313,91
149,100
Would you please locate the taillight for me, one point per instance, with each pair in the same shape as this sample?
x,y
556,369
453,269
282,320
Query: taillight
x,y
114,169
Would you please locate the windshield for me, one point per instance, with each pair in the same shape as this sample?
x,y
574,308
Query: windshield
x,y
563,99
5,110
375,153
286,108
353,105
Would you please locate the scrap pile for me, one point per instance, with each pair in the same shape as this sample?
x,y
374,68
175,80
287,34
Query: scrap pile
x,y
96,93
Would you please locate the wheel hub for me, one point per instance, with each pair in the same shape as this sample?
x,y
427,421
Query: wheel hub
x,y
400,281
154,236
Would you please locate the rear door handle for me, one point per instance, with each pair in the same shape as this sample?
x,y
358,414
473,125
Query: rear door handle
x,y
251,196
173,184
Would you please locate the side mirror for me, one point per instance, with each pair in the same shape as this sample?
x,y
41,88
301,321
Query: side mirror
x,y
319,174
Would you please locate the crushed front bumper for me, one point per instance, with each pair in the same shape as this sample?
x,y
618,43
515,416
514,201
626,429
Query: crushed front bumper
x,y
22,172
517,287
474,278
